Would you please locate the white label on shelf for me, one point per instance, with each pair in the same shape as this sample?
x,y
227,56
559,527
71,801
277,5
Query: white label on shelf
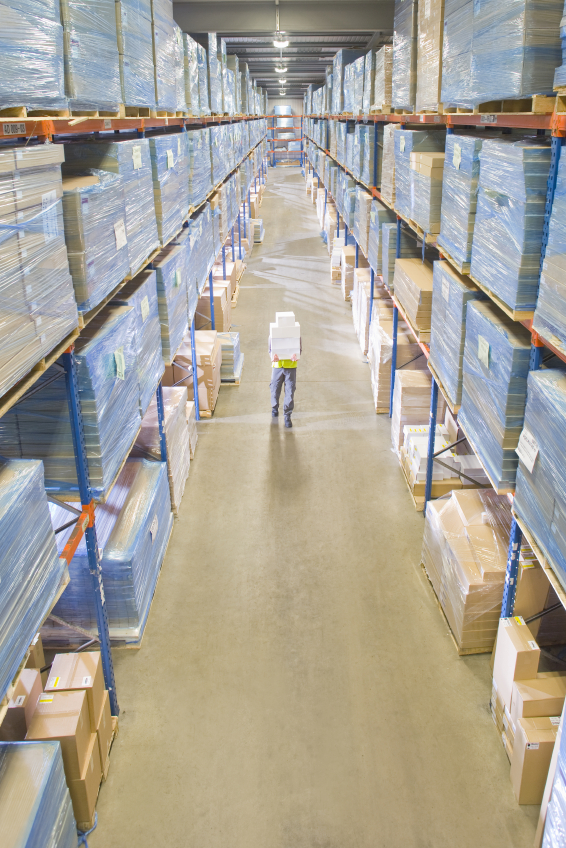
x,y
14,129
170,159
120,233
527,449
483,351
445,288
145,308
555,720
19,702
154,527
533,645
532,746
177,279
136,156
402,144
87,681
488,119
457,157
49,209
120,363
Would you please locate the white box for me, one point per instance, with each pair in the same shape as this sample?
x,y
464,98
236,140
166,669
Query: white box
x,y
285,319
285,332
286,348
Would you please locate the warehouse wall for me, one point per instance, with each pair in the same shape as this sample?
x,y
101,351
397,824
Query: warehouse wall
x,y
294,102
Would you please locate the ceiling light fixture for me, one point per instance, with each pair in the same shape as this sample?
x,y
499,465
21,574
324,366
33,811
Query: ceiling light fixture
x,y
280,70
280,44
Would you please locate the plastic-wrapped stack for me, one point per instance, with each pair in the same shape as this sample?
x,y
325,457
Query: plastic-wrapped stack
x,y
164,54
95,232
199,165
429,55
218,149
459,197
28,591
560,73
383,79
388,165
133,529
148,443
232,356
202,63
358,79
450,297
214,75
409,248
31,55
38,427
426,190
190,55
369,82
404,77
141,294
413,288
361,306
496,363
135,47
379,215
92,67
202,247
170,182
408,142
362,218
509,219
457,83
229,91
171,268
37,301
372,158
132,161
179,65
341,59
35,805
184,241
555,826
411,403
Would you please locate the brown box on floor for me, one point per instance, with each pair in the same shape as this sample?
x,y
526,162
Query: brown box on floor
x,y
104,732
209,361
542,696
80,671
21,706
516,657
84,790
532,752
63,716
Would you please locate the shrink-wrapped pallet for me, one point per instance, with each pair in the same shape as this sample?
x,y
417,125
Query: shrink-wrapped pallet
x,y
555,825
39,427
429,55
95,232
92,67
408,249
369,82
411,403
381,101
341,59
177,437
31,56
219,153
183,240
362,306
214,75
164,50
35,805
141,294
362,218
407,143
372,155
202,247
457,83
170,182
202,64
509,219
388,165
135,46
171,268
179,62
459,197
190,56
358,69
133,529
496,363
413,289
37,302
132,161
379,215
192,424
28,590
404,77
199,165
450,297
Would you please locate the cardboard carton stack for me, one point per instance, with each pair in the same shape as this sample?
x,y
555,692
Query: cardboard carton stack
x,y
222,307
209,361
413,283
285,336
429,55
411,403
192,424
426,189
361,296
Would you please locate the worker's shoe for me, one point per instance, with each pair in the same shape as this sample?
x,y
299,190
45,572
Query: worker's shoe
x,y
288,421
275,413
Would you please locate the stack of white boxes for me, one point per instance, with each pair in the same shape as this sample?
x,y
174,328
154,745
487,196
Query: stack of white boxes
x,y
285,336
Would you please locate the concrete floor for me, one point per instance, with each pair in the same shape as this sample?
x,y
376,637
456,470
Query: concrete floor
x,y
297,686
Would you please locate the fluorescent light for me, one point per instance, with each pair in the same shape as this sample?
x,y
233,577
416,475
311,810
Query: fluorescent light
x,y
280,44
280,70
283,81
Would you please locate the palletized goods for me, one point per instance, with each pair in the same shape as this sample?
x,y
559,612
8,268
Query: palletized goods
x,y
404,79
135,46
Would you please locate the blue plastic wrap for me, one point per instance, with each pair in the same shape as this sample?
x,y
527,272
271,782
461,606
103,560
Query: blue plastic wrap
x,y
509,219
407,142
496,364
135,46
358,80
29,589
459,197
170,182
409,249
202,62
179,66
141,294
219,151
404,77
426,190
362,209
190,55
164,50
171,268
370,176
133,529
95,232
130,159
38,427
341,59
429,55
202,250
450,297
92,68
555,825
457,82
214,75
184,241
383,78
379,215
37,301
31,56
35,805
369,82
199,165
560,73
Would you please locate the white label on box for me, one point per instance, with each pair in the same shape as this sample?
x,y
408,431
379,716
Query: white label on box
x,y
42,338
154,528
177,282
137,157
120,233
170,159
120,363
19,702
457,157
555,720
533,645
87,681
527,449
14,129
145,308
532,746
49,210
45,699
483,351
506,622
445,288
54,682
402,144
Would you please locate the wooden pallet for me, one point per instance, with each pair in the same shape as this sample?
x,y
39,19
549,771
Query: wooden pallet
x,y
438,111
500,490
538,104
137,112
514,314
430,237
58,114
462,268
384,109
560,106
453,407
402,111
235,296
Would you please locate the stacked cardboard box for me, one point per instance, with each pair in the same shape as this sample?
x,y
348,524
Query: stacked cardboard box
x,y
459,197
379,215
361,305
222,307
362,218
408,248
383,79
411,403
426,190
209,361
190,56
413,283
409,143
388,165
404,79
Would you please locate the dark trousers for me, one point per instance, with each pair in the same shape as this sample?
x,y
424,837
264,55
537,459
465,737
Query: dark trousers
x,y
289,377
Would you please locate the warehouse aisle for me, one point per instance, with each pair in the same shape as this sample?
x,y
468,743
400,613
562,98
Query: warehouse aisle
x,y
297,686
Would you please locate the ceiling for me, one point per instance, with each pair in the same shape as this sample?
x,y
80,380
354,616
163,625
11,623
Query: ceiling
x,y
315,29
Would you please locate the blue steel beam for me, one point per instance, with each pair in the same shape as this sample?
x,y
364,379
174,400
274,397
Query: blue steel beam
x,y
431,439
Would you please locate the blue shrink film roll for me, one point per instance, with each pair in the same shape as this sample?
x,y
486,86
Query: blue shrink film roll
x,y
135,47
494,391
171,271
451,294
28,590
407,142
169,169
379,215
459,197
133,529
509,219
164,51
35,804
404,79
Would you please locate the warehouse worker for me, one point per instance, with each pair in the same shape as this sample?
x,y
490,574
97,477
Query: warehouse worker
x,y
284,371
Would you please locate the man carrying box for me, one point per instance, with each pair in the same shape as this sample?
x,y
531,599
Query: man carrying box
x,y
285,350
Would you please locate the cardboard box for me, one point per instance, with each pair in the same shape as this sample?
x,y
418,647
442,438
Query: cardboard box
x,y
516,658
64,717
36,657
84,789
542,696
209,361
104,732
80,671
532,752
21,706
